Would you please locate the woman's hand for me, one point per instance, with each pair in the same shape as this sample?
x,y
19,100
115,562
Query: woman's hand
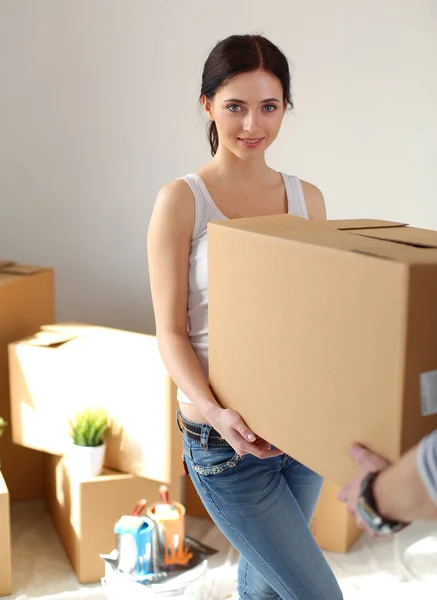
x,y
234,430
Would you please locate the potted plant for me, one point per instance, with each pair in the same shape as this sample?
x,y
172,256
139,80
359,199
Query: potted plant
x,y
3,426
89,431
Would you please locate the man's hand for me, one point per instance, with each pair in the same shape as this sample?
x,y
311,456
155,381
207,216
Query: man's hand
x,y
367,462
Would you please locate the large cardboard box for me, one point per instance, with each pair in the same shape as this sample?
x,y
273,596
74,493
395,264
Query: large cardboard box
x,y
333,528
323,334
5,541
67,367
85,511
27,301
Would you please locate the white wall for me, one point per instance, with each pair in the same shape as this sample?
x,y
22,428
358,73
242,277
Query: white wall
x,y
98,109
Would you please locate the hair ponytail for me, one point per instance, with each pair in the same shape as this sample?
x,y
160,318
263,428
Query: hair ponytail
x,y
213,137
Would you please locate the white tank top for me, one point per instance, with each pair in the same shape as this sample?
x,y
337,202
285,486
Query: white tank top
x,y
205,211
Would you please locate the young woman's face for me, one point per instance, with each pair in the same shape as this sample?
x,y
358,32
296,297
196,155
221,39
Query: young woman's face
x,y
248,113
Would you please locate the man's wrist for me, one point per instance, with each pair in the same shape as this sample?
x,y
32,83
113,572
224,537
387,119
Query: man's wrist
x,y
375,513
382,494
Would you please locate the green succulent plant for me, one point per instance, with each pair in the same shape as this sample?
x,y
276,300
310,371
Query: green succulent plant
x,y
91,427
3,426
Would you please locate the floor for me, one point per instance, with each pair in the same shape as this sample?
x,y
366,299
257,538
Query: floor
x,y
401,567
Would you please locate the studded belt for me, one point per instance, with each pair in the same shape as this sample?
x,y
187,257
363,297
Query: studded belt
x,y
199,431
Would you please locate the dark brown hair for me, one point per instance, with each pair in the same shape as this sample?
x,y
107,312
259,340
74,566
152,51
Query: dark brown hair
x,y
242,54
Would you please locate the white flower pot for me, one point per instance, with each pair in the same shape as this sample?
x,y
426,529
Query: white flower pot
x,y
87,461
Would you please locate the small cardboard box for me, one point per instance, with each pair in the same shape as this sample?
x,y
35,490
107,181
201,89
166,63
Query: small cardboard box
x,y
67,367
333,528
27,301
5,541
323,334
85,511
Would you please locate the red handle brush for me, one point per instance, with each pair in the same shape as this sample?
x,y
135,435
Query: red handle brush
x,y
139,507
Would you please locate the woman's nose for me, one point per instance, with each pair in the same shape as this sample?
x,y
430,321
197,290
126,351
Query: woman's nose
x,y
250,122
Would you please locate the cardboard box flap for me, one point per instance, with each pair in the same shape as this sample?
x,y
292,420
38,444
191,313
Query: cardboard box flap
x,y
16,269
409,236
376,240
73,328
284,224
48,339
285,228
355,243
351,224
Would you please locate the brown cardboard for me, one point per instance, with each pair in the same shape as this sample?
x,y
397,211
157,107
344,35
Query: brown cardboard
x,y
27,301
67,367
333,528
319,337
85,512
351,224
5,541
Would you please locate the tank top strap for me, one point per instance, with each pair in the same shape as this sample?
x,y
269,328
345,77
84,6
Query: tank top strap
x,y
296,199
203,210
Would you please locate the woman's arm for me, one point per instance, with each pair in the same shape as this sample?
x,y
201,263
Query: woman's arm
x,y
168,246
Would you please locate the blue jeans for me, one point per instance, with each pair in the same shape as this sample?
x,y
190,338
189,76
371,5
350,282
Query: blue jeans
x,y
264,507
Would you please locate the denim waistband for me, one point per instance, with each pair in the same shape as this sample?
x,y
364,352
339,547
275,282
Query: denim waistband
x,y
205,434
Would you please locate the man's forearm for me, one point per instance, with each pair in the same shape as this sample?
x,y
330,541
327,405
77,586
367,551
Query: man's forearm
x,y
400,492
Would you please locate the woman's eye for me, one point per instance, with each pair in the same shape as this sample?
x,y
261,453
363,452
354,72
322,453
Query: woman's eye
x,y
233,107
269,107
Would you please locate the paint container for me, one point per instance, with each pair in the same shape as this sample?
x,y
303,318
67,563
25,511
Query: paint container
x,y
169,537
135,539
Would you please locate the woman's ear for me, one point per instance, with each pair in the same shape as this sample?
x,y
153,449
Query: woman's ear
x,y
206,103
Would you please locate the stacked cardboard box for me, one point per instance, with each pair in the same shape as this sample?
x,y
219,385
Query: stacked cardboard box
x,y
67,367
333,338
85,511
48,388
26,302
5,541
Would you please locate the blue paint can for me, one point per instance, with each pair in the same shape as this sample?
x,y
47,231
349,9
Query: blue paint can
x,y
135,545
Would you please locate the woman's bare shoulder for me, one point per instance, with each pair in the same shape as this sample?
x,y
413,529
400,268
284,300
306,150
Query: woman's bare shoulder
x,y
175,194
174,209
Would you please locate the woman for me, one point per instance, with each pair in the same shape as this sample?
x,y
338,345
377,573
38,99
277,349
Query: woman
x,y
261,499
